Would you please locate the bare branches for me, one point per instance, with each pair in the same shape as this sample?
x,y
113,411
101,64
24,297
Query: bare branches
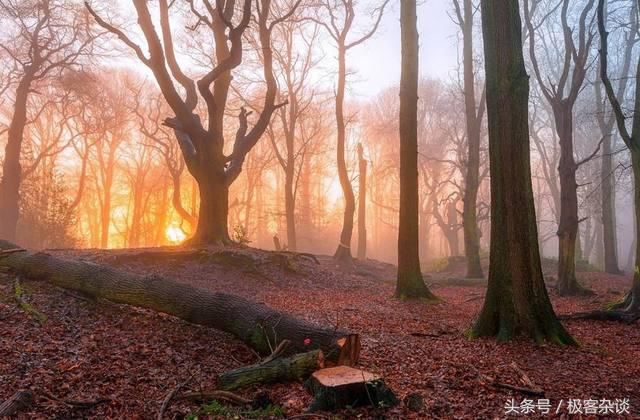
x,y
120,34
628,138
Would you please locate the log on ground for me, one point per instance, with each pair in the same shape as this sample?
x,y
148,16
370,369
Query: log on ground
x,y
341,386
259,326
281,369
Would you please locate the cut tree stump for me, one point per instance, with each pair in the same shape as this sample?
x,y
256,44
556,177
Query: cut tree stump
x,y
343,386
21,400
281,369
259,326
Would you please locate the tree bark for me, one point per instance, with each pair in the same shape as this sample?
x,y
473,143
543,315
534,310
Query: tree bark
x,y
410,283
259,326
568,226
296,367
11,168
362,204
516,301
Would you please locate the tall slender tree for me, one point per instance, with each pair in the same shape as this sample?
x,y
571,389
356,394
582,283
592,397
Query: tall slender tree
x,y
410,282
516,301
474,114
341,16
606,123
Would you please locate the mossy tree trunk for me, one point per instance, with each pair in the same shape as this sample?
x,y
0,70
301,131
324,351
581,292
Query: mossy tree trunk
x,y
516,301
410,283
259,326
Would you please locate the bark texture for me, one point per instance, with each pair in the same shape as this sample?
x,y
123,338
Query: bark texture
x,y
516,301
259,326
294,368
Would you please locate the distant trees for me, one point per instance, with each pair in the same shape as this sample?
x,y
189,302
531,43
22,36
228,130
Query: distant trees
x,y
341,17
202,141
44,38
562,94
295,59
410,283
474,113
516,301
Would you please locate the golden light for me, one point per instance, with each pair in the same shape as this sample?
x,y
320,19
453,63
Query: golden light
x,y
175,234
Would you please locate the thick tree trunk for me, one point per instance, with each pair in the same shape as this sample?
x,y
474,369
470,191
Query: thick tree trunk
x,y
410,283
362,204
472,177
516,300
343,253
213,212
257,325
11,168
568,227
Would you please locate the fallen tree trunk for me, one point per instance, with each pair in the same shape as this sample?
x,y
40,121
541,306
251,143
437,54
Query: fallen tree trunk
x,y
280,369
259,326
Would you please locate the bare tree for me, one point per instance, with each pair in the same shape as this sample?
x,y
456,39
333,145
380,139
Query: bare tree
x,y
474,113
44,39
203,144
341,17
295,60
606,124
629,308
562,95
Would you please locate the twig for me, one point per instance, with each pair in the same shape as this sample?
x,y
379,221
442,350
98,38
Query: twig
x,y
307,415
282,347
11,251
215,395
75,403
169,397
527,391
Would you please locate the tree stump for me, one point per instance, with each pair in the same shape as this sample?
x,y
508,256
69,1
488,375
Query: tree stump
x,y
342,386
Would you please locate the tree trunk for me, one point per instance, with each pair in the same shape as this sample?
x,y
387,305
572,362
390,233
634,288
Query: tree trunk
x,y
608,208
472,178
213,212
290,206
362,205
568,227
343,253
452,229
410,283
11,168
259,326
516,300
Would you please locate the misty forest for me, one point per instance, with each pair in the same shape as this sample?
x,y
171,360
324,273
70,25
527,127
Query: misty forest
x,y
319,209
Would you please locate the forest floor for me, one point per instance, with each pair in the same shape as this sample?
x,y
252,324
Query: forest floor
x,y
132,357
